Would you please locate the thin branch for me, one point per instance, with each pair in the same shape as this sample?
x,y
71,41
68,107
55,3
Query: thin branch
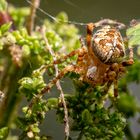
x,y
31,19
58,83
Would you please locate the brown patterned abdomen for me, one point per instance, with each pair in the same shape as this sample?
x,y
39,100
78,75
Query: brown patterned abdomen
x,y
108,45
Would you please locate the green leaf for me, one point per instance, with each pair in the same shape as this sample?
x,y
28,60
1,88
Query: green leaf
x,y
135,40
19,15
86,117
62,17
35,129
127,104
26,51
52,103
133,30
133,34
3,5
4,133
5,27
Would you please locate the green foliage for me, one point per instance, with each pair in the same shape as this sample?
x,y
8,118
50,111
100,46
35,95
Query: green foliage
x,y
67,32
4,133
19,15
3,5
134,34
127,105
91,118
4,28
134,75
30,86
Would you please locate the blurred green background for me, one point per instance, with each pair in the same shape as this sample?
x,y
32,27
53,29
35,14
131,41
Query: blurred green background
x,y
87,11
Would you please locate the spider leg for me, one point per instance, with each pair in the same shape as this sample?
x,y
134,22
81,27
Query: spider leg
x,y
69,68
81,52
110,22
78,52
109,83
106,89
82,55
75,52
91,55
112,77
90,28
115,87
82,41
130,61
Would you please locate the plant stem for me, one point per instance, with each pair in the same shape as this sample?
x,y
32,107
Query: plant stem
x,y
66,120
30,23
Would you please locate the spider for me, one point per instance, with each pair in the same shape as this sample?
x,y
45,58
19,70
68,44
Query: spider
x,y
101,61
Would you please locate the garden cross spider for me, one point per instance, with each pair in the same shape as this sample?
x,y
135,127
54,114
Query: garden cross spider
x,y
101,60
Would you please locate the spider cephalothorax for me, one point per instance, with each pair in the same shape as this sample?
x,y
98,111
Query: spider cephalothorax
x,y
101,60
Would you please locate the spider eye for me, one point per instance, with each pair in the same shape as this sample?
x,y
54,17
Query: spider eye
x,y
108,45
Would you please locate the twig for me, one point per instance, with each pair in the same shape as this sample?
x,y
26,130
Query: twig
x,y
58,83
30,22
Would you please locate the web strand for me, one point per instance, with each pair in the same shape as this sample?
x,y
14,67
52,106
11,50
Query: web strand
x,y
102,22
55,19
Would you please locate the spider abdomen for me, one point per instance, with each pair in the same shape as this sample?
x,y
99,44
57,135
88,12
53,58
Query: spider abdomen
x,y
108,45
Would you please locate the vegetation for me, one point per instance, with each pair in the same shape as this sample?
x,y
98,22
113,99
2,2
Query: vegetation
x,y
23,54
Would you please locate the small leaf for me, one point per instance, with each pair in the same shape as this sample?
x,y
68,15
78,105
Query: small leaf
x,y
35,129
4,133
127,104
135,40
5,27
138,50
3,5
133,30
26,50
52,103
86,117
134,34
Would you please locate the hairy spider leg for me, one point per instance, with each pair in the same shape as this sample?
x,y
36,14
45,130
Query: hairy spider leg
x,y
109,22
79,68
122,70
90,28
78,52
115,87
92,60
114,73
67,69
109,83
130,61
70,68
75,52
82,55
113,76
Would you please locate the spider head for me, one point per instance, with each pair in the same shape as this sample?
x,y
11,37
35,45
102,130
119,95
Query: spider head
x,y
107,45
